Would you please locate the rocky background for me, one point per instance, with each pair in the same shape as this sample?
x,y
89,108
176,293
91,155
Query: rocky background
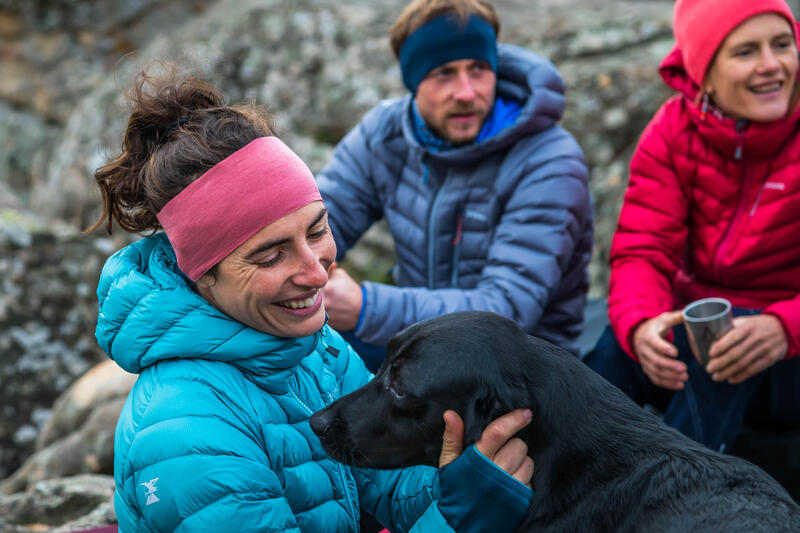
x,y
318,65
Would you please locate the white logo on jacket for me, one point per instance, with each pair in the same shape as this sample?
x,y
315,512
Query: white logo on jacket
x,y
151,490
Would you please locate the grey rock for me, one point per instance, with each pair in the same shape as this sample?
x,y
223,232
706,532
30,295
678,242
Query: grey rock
x,y
46,323
64,504
78,433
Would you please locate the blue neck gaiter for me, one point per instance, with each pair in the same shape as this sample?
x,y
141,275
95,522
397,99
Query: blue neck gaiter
x,y
504,114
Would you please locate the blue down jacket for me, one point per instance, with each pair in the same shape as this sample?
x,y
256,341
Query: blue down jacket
x,y
502,225
214,435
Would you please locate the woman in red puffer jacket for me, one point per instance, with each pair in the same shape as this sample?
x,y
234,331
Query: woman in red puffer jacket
x,y
713,209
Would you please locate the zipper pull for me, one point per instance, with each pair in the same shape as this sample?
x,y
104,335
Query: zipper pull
x,y
740,125
459,225
704,107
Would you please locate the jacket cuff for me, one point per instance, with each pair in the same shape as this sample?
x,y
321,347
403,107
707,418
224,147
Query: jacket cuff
x,y
788,313
363,305
478,496
378,320
624,327
431,521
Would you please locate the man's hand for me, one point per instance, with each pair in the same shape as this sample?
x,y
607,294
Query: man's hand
x,y
656,355
495,443
342,300
754,344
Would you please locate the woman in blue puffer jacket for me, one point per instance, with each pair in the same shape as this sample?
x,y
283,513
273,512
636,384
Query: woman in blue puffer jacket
x,y
222,316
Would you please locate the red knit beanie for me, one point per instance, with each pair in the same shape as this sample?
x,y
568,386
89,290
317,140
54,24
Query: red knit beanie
x,y
700,26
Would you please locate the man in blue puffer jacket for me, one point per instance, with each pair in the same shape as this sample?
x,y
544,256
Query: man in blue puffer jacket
x,y
485,195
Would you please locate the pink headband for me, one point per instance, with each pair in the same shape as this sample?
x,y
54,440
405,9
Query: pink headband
x,y
233,201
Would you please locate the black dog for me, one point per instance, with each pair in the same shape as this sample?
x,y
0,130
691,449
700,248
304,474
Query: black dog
x,y
602,463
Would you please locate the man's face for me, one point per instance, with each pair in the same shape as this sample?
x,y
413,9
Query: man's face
x,y
455,98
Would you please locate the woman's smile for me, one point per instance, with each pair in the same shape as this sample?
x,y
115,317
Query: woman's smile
x,y
303,304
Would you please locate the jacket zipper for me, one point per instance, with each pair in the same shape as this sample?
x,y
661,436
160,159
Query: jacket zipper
x,y
761,190
456,244
737,153
432,235
723,243
758,196
352,509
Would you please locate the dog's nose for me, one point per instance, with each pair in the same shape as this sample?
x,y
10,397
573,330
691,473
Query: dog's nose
x,y
321,422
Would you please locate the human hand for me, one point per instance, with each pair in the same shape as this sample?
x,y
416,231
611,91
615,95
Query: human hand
x,y
342,300
656,355
754,344
495,443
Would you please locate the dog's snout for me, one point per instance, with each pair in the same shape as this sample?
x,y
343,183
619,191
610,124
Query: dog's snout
x,y
322,421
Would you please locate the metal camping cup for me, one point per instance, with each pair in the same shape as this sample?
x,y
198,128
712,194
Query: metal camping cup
x,y
706,320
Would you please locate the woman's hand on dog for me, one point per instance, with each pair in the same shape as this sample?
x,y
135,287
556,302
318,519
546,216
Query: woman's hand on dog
x,y
754,344
657,356
496,443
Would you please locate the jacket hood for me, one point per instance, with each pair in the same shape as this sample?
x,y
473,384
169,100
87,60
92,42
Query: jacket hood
x,y
524,77
148,312
730,136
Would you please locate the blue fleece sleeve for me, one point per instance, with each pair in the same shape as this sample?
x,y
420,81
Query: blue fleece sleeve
x,y
478,496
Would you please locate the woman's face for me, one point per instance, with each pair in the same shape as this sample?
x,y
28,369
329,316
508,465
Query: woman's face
x,y
753,74
273,282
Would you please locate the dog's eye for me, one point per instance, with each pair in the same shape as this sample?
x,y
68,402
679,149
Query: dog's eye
x,y
397,394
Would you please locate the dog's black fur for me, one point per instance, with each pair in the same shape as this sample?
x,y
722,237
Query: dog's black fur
x,y
602,463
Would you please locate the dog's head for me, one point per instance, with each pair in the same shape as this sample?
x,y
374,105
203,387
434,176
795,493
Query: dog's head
x,y
471,362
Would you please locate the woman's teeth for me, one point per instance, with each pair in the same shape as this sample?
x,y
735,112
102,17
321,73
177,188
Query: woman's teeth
x,y
767,88
300,304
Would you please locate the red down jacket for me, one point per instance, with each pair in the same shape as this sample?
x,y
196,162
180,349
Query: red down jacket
x,y
712,209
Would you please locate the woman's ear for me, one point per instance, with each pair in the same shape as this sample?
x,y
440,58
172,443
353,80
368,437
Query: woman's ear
x,y
207,280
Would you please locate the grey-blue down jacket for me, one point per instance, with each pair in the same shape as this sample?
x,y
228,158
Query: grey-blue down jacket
x,y
502,225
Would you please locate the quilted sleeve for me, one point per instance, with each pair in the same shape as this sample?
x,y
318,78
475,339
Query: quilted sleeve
x,y
788,312
651,236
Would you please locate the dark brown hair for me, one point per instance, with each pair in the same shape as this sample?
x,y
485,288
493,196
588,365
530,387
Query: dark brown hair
x,y
418,12
177,130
